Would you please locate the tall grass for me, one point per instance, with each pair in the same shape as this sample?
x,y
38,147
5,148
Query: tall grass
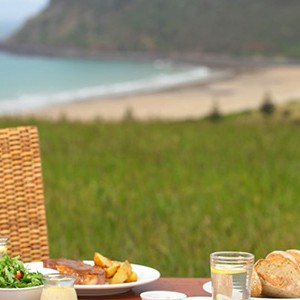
x,y
166,194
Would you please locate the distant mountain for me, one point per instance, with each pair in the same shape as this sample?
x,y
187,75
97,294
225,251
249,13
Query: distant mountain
x,y
7,28
97,27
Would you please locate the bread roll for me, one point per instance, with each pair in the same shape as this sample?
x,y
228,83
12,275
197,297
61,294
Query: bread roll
x,y
295,253
279,274
278,253
256,288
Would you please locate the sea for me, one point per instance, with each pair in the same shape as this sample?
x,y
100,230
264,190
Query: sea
x,y
31,82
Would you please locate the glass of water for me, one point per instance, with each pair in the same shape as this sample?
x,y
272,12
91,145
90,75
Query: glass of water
x,y
231,273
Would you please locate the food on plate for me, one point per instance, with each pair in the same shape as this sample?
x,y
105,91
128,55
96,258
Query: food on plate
x,y
103,271
13,274
115,271
256,288
279,274
295,253
85,273
102,261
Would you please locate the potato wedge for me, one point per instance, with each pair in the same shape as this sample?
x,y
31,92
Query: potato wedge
x,y
132,277
121,275
115,271
111,271
102,261
129,268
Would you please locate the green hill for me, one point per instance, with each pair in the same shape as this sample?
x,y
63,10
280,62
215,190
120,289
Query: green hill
x,y
95,27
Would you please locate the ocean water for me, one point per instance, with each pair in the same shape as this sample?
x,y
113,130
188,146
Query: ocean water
x,y
29,82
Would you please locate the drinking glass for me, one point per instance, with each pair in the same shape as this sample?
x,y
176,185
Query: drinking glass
x,y
59,287
231,273
3,244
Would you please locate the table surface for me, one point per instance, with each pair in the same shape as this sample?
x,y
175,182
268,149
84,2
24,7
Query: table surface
x,y
189,286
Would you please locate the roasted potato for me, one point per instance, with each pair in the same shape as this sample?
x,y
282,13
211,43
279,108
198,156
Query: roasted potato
x,y
115,271
121,275
110,271
102,261
132,277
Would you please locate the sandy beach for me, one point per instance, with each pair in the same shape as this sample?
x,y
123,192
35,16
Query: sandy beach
x,y
242,91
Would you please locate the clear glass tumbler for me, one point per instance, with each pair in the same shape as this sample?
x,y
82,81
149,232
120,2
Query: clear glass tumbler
x,y
231,273
3,244
59,287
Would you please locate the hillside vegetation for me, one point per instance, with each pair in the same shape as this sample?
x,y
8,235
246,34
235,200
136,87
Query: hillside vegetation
x,y
166,194
247,27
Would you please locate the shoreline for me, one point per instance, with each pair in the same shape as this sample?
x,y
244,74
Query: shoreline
x,y
212,60
243,91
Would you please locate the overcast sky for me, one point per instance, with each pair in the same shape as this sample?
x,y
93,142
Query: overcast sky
x,y
19,10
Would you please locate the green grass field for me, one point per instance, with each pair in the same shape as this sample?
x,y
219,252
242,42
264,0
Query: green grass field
x,y
166,194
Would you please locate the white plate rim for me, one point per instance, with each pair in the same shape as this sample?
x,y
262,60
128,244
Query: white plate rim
x,y
207,288
145,275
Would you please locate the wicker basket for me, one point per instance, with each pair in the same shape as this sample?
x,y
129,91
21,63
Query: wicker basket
x,y
22,208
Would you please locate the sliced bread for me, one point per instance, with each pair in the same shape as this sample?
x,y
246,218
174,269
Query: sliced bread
x,y
256,288
279,274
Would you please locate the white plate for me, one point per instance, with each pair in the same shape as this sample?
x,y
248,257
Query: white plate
x,y
145,275
156,295
38,267
207,288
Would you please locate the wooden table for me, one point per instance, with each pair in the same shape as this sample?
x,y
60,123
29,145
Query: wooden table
x,y
189,286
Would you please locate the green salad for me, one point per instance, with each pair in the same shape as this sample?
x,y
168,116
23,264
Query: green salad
x,y
13,274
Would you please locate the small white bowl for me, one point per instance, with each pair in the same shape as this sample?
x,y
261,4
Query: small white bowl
x,y
162,295
28,293
198,298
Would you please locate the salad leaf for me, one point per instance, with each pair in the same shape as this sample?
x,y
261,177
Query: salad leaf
x,y
13,274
